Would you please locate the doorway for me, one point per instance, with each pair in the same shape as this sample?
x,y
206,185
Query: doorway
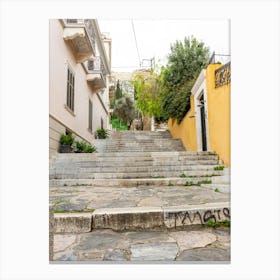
x,y
203,126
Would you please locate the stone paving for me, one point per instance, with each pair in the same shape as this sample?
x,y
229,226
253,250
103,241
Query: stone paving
x,y
79,198
149,214
202,244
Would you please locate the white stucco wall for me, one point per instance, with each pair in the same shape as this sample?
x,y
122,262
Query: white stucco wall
x,y
61,55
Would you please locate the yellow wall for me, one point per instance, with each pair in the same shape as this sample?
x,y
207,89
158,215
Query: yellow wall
x,y
186,130
218,101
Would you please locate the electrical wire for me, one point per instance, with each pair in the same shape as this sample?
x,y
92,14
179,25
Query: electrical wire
x,y
136,42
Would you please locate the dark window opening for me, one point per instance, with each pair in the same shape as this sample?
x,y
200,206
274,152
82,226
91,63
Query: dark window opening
x,y
90,115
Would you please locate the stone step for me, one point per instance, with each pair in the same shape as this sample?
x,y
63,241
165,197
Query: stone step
x,y
140,150
223,188
125,175
174,181
143,147
142,144
147,163
140,218
134,140
76,169
173,154
224,179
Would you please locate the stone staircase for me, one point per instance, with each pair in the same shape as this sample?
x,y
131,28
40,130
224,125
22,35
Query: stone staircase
x,y
135,159
139,141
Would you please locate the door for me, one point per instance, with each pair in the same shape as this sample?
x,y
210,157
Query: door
x,y
203,126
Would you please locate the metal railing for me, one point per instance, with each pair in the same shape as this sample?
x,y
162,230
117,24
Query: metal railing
x,y
91,32
96,65
88,24
74,21
219,58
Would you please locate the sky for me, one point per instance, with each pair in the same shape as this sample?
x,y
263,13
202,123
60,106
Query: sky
x,y
154,38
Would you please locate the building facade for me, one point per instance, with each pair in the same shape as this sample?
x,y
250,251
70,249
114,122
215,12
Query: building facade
x,y
80,69
206,126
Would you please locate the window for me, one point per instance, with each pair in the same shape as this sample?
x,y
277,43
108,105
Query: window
x,y
90,115
70,89
101,123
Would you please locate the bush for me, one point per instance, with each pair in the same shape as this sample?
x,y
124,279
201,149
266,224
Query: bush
x,y
66,139
89,149
101,133
83,147
117,124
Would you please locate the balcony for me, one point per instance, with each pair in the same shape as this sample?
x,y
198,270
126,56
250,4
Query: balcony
x,y
81,36
96,72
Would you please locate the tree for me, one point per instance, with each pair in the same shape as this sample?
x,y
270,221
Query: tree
x,y
147,92
185,62
125,110
118,92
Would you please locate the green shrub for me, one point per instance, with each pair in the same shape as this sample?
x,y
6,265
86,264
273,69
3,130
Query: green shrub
x,y
117,124
66,139
83,147
79,146
102,133
89,149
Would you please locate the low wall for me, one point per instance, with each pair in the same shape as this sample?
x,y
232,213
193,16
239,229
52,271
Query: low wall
x,y
186,130
56,128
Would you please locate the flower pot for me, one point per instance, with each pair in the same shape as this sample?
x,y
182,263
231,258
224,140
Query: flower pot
x,y
65,149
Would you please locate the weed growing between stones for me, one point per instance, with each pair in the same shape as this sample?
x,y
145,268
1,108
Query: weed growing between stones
x,y
56,202
219,167
216,190
198,183
170,184
183,175
205,182
213,224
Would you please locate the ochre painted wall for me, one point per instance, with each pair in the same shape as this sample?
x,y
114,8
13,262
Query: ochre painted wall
x,y
186,130
218,101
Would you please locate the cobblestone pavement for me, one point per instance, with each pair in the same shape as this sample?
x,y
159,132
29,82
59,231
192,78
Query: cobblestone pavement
x,y
204,244
80,198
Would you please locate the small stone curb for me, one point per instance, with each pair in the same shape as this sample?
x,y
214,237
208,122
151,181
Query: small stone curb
x,y
140,218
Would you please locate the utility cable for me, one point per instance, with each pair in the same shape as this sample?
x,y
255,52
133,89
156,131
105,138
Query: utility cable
x,y
136,42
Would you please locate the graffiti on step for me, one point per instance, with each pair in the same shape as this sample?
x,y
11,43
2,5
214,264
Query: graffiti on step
x,y
182,218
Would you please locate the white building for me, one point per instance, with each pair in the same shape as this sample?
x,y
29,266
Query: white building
x,y
80,68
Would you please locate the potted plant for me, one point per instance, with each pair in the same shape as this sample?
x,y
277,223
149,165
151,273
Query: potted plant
x,y
66,142
101,133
